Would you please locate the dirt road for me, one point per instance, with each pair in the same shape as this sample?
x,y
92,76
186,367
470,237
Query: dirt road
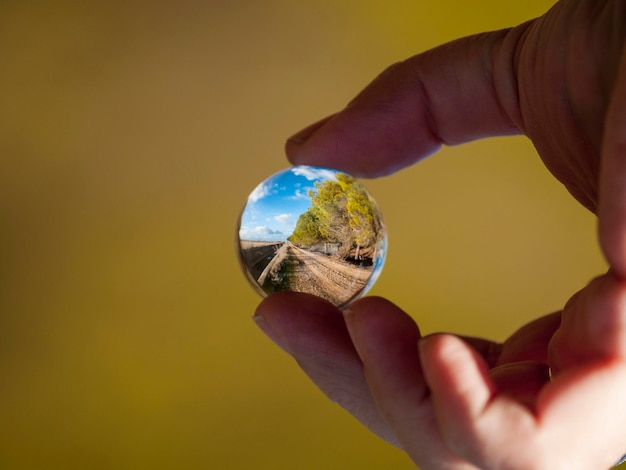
x,y
297,269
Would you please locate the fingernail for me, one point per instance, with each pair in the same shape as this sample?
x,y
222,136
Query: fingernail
x,y
298,139
348,317
302,136
422,344
270,332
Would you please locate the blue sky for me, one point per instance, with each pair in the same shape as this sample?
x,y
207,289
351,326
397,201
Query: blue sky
x,y
274,206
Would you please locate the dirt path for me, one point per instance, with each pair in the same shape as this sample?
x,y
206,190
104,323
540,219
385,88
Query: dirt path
x,y
300,270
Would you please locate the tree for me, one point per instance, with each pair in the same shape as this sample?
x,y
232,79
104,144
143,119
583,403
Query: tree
x,y
307,230
362,215
341,212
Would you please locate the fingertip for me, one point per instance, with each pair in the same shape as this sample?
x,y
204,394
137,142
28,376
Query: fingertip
x,y
382,130
300,324
296,148
457,376
439,346
386,338
301,137
285,305
605,317
375,320
323,144
612,235
433,350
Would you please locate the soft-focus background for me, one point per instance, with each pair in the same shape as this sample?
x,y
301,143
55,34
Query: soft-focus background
x,y
131,134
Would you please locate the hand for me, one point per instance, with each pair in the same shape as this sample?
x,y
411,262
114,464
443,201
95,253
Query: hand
x,y
471,403
560,80
454,403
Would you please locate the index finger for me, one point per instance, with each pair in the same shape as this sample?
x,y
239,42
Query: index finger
x,y
458,92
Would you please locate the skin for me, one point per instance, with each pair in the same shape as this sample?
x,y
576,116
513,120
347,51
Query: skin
x,y
466,403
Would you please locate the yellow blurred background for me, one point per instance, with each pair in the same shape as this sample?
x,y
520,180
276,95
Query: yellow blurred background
x,y
131,134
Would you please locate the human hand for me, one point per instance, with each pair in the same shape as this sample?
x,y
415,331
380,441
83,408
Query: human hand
x,y
559,81
459,404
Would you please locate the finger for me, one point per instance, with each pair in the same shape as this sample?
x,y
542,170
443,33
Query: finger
x,y
588,360
612,207
474,421
593,325
313,332
581,409
522,381
530,342
585,409
455,93
458,379
387,341
489,350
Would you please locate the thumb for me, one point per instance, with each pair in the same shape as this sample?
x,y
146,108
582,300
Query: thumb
x,y
612,198
593,326
454,93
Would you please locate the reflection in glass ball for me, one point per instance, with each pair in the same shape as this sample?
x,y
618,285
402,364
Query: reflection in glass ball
x,y
312,230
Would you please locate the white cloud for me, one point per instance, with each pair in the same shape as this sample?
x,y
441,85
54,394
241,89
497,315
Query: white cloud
x,y
283,218
261,232
311,173
301,194
262,190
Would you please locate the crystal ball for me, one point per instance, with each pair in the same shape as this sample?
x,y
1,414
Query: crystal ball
x,y
313,230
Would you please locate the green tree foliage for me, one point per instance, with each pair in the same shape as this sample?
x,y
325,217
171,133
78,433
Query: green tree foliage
x,y
341,212
307,230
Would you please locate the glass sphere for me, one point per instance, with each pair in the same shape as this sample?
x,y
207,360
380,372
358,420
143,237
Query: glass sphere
x,y
312,230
